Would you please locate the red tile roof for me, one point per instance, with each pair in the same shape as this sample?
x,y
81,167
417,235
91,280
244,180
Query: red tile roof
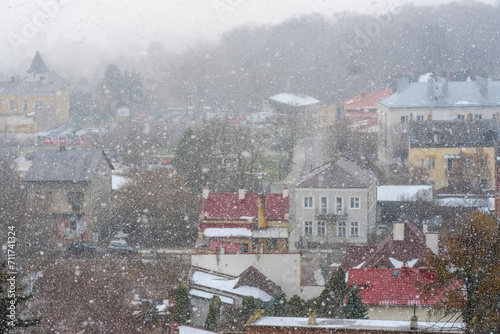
x,y
277,206
226,206
365,100
412,247
381,287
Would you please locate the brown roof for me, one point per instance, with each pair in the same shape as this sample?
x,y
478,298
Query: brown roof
x,y
254,278
343,174
412,247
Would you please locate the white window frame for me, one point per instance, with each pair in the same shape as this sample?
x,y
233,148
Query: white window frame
x,y
354,229
431,163
337,211
308,202
308,228
352,205
341,229
420,118
321,228
323,208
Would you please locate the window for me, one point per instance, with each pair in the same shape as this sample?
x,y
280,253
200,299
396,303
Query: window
x,y
467,161
25,105
354,229
478,116
38,104
461,117
272,244
308,228
0,105
354,203
338,205
12,104
450,164
308,202
75,200
432,163
420,118
422,163
324,205
341,229
404,119
321,228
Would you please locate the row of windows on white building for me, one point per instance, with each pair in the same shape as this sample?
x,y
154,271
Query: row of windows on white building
x,y
341,229
354,203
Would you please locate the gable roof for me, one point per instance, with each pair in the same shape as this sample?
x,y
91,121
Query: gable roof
x,y
277,206
365,100
254,278
454,133
382,287
460,94
390,253
343,174
65,165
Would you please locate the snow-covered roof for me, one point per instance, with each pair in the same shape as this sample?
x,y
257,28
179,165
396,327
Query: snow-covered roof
x,y
208,295
358,324
299,100
225,284
404,193
118,181
467,201
227,232
192,330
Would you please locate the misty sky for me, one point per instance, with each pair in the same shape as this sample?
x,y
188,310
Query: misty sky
x,y
77,33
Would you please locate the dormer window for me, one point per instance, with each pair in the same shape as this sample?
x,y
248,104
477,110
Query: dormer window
x,y
395,273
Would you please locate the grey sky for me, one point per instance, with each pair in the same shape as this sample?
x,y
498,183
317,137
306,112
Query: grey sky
x,y
105,29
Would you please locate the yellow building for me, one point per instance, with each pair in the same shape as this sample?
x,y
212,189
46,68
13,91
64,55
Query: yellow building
x,y
327,116
457,155
36,103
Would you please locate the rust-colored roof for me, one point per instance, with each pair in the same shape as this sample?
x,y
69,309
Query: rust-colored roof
x,y
277,206
365,100
254,278
379,256
393,287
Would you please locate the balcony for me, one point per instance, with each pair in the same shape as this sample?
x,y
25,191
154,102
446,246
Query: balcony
x,y
330,216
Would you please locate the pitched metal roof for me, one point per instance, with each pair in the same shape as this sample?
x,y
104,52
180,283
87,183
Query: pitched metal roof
x,y
454,133
27,88
458,94
65,165
343,174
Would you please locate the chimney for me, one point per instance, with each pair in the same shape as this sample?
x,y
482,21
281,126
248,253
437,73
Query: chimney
x,y
425,226
312,318
285,192
432,241
241,193
205,192
398,231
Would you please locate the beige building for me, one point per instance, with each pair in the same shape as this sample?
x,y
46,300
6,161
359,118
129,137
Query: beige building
x,y
36,103
69,193
436,99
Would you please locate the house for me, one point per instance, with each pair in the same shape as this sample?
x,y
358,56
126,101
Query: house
x,y
261,324
204,284
69,192
458,155
243,222
36,103
396,293
335,204
407,246
361,111
293,104
327,116
284,269
436,99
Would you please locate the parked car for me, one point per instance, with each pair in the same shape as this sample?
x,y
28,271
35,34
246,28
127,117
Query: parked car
x,y
121,247
79,248
29,155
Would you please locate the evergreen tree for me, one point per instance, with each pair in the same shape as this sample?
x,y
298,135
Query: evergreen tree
x,y
331,300
354,308
182,312
296,307
213,314
248,307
